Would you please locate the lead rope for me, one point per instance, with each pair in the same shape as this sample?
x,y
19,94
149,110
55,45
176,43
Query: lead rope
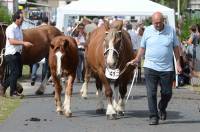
x,y
2,56
176,72
3,49
133,81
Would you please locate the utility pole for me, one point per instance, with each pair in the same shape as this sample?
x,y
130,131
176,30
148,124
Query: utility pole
x,y
15,5
178,6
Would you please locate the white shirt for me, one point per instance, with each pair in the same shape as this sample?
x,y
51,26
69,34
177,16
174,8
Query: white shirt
x,y
13,32
81,41
43,24
134,39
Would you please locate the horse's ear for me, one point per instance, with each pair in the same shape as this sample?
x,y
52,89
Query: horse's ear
x,y
52,46
118,24
106,25
66,43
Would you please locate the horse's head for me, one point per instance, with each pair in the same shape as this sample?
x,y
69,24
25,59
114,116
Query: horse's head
x,y
59,48
113,45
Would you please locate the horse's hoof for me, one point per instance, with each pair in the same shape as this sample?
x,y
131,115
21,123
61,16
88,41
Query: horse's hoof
x,y
100,111
120,113
84,97
60,112
38,92
112,117
68,114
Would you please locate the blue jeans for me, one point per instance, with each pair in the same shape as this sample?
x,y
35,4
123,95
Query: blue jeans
x,y
34,71
45,70
153,79
80,65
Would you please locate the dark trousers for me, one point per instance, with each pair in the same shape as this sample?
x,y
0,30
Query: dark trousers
x,y
153,79
15,71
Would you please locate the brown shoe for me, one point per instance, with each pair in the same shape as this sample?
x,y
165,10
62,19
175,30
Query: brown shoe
x,y
2,91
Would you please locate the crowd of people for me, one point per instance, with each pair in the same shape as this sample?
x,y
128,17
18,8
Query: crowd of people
x,y
156,43
188,55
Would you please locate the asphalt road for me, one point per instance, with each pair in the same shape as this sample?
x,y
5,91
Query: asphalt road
x,y
37,113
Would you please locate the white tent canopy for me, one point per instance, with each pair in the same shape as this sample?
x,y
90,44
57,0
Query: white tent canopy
x,y
112,8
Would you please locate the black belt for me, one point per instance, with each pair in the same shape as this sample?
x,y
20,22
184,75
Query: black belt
x,y
17,53
81,49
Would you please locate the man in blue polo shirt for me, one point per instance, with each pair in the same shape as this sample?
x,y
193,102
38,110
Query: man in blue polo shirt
x,y
159,41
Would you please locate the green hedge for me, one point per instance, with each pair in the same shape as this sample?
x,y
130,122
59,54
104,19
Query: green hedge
x,y
189,20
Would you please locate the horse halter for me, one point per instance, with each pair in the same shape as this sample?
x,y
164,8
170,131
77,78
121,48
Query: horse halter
x,y
113,49
114,73
108,49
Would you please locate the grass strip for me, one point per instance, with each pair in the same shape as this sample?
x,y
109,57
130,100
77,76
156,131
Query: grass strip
x,y
7,106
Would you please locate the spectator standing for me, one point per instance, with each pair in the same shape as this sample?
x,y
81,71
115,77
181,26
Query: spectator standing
x,y
136,39
44,61
192,43
80,39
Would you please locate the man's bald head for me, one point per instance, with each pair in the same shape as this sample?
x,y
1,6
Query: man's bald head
x,y
158,21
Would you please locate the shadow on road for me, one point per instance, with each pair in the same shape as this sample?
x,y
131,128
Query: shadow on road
x,y
145,113
182,122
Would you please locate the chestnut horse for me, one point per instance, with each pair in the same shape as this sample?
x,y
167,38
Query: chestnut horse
x,y
40,37
63,60
107,52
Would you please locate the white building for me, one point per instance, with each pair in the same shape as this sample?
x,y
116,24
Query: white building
x,y
13,4
194,4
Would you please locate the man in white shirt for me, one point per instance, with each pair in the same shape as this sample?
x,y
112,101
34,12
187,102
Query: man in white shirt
x,y
13,49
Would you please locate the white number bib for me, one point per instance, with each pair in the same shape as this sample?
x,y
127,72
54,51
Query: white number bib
x,y
112,74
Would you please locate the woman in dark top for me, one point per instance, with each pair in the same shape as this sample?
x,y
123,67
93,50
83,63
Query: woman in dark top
x,y
192,43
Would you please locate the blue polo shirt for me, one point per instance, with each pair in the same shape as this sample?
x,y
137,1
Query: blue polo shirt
x,y
159,48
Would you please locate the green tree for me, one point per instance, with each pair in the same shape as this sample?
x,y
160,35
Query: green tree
x,y
173,4
4,15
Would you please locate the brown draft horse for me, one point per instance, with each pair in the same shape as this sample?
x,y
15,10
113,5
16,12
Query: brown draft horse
x,y
107,52
63,60
41,38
